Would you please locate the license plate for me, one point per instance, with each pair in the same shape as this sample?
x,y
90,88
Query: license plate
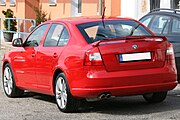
x,y
135,57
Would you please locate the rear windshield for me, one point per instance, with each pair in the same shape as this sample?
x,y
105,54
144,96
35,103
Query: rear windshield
x,y
95,31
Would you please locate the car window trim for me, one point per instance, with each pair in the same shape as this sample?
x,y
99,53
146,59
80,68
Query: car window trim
x,y
64,27
45,33
48,32
153,16
60,37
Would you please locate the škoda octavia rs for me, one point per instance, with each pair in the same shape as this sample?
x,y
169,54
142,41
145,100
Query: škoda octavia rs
x,y
90,58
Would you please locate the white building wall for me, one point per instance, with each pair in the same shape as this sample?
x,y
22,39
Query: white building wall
x,y
138,8
165,4
143,8
134,8
128,8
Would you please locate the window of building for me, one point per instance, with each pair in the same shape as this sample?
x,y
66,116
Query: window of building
x,y
12,2
76,7
154,4
175,4
2,2
79,6
52,2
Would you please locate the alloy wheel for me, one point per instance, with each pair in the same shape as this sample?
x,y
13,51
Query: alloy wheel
x,y
61,93
8,81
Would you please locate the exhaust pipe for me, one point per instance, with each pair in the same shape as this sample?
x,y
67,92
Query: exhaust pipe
x,y
105,96
108,95
101,96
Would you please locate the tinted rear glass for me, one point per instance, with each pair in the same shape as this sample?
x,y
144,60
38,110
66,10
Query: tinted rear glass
x,y
111,29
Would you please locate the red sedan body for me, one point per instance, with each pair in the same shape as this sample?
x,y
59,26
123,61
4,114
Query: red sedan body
x,y
119,66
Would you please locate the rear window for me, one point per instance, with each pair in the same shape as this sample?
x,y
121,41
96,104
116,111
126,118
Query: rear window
x,y
111,29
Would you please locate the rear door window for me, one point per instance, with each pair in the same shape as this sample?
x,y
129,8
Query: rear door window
x,y
57,36
63,38
53,35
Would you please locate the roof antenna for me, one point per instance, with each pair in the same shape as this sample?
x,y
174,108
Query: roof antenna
x,y
103,15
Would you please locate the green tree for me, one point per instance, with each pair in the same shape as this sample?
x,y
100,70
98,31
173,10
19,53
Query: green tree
x,y
9,14
40,15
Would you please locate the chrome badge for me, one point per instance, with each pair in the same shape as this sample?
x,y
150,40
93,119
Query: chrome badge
x,y
134,46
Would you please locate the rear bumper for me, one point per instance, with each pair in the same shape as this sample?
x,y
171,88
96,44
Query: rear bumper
x,y
123,91
92,83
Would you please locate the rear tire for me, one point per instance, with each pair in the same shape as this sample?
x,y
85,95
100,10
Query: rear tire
x,y
65,101
9,84
155,97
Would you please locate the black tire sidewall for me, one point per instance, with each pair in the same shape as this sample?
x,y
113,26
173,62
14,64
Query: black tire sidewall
x,y
156,97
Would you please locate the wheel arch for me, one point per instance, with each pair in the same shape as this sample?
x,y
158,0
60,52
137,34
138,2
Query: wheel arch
x,y
4,63
56,73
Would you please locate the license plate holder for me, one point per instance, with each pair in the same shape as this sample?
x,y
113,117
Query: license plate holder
x,y
135,57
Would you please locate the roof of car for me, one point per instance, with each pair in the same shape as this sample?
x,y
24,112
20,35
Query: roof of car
x,y
165,11
81,20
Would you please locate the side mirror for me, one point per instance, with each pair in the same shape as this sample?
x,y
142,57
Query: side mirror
x,y
18,42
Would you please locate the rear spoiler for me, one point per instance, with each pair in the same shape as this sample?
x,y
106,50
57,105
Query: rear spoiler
x,y
124,39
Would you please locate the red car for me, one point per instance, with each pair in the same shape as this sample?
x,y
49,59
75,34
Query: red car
x,y
90,58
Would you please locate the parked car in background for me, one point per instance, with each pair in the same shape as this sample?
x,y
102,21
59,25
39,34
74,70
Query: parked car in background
x,y
92,59
166,22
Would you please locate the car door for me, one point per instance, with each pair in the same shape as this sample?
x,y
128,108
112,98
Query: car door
x,y
25,59
48,55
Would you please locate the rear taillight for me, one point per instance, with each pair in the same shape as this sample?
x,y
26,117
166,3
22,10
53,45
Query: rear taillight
x,y
93,57
170,53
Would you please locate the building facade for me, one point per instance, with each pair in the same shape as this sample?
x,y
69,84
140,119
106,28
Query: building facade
x,y
61,8
137,8
71,8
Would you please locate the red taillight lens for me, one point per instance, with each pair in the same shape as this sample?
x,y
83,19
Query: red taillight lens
x,y
170,53
93,57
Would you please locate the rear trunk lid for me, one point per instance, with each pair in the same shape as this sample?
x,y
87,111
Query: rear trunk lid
x,y
131,53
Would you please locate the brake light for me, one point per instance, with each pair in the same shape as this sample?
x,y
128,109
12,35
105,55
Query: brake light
x,y
170,53
154,39
93,57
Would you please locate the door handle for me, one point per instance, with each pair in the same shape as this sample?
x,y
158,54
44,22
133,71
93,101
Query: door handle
x,y
55,55
33,54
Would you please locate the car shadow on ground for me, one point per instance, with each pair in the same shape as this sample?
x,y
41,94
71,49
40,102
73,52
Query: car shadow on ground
x,y
132,105
38,96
